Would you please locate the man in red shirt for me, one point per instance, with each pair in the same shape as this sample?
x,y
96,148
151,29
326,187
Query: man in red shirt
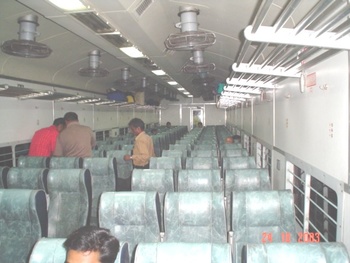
x,y
44,140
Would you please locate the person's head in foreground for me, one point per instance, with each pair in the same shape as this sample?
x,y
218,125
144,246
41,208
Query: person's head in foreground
x,y
229,139
91,244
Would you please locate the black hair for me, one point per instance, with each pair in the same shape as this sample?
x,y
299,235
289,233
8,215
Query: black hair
x,y
137,123
59,121
93,238
70,116
236,137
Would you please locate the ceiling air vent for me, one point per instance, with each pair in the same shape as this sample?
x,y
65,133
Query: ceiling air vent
x,y
143,6
117,40
94,69
25,45
93,21
189,38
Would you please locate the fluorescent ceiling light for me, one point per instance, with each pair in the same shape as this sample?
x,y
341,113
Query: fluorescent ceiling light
x,y
132,52
181,89
235,95
35,95
105,102
172,83
4,87
159,72
190,96
70,5
89,100
70,98
186,93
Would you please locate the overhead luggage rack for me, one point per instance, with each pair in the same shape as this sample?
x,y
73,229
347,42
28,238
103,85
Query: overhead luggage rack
x,y
284,48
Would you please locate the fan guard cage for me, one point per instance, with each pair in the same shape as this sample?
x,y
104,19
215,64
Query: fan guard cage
x,y
26,48
198,68
191,40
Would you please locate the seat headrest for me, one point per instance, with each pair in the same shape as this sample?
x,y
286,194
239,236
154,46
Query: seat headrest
x,y
67,180
100,165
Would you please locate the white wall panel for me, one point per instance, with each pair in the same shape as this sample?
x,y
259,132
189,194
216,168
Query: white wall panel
x,y
21,118
239,117
83,111
105,117
263,122
186,117
247,119
314,125
213,115
124,116
171,113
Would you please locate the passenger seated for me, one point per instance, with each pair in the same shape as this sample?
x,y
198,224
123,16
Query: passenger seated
x,y
233,139
236,138
229,139
91,244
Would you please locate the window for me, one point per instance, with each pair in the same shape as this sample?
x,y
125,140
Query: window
x,y
247,144
99,136
106,134
263,157
316,204
6,156
296,177
323,210
21,150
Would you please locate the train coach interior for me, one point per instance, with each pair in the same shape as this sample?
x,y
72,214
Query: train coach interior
x,y
274,72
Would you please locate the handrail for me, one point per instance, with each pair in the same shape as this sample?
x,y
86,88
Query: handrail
x,y
323,31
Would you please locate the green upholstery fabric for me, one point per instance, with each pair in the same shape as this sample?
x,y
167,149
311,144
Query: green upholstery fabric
x,y
27,178
246,180
234,153
159,180
70,200
3,175
124,168
199,180
202,163
195,217
176,153
165,163
33,162
204,153
132,217
23,220
66,162
257,212
183,253
103,171
230,146
240,162
331,252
